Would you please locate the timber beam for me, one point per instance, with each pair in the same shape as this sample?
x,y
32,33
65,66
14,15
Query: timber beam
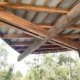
x,y
23,44
71,36
33,8
45,26
44,49
15,36
19,36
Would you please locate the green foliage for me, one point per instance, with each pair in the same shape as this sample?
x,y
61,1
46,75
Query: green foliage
x,y
62,72
5,69
17,76
3,58
65,68
65,60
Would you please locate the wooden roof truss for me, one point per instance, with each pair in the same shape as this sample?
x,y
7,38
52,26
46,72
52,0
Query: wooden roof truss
x,y
42,37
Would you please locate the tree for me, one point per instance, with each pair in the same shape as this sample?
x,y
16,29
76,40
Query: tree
x,y
64,68
65,60
47,70
17,75
5,69
3,58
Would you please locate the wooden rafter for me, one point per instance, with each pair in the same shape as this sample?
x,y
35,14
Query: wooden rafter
x,y
63,22
48,26
45,46
20,44
46,49
43,51
18,36
33,8
72,36
12,36
74,28
28,43
45,26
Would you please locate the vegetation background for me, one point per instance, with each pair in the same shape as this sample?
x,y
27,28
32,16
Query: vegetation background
x,y
47,67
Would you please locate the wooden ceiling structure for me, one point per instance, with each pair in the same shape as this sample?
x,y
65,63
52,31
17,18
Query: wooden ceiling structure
x,y
40,26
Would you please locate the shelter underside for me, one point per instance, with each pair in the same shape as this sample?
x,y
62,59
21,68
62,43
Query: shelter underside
x,y
40,26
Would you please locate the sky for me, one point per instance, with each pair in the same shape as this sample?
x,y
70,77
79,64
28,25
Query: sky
x,y
21,66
